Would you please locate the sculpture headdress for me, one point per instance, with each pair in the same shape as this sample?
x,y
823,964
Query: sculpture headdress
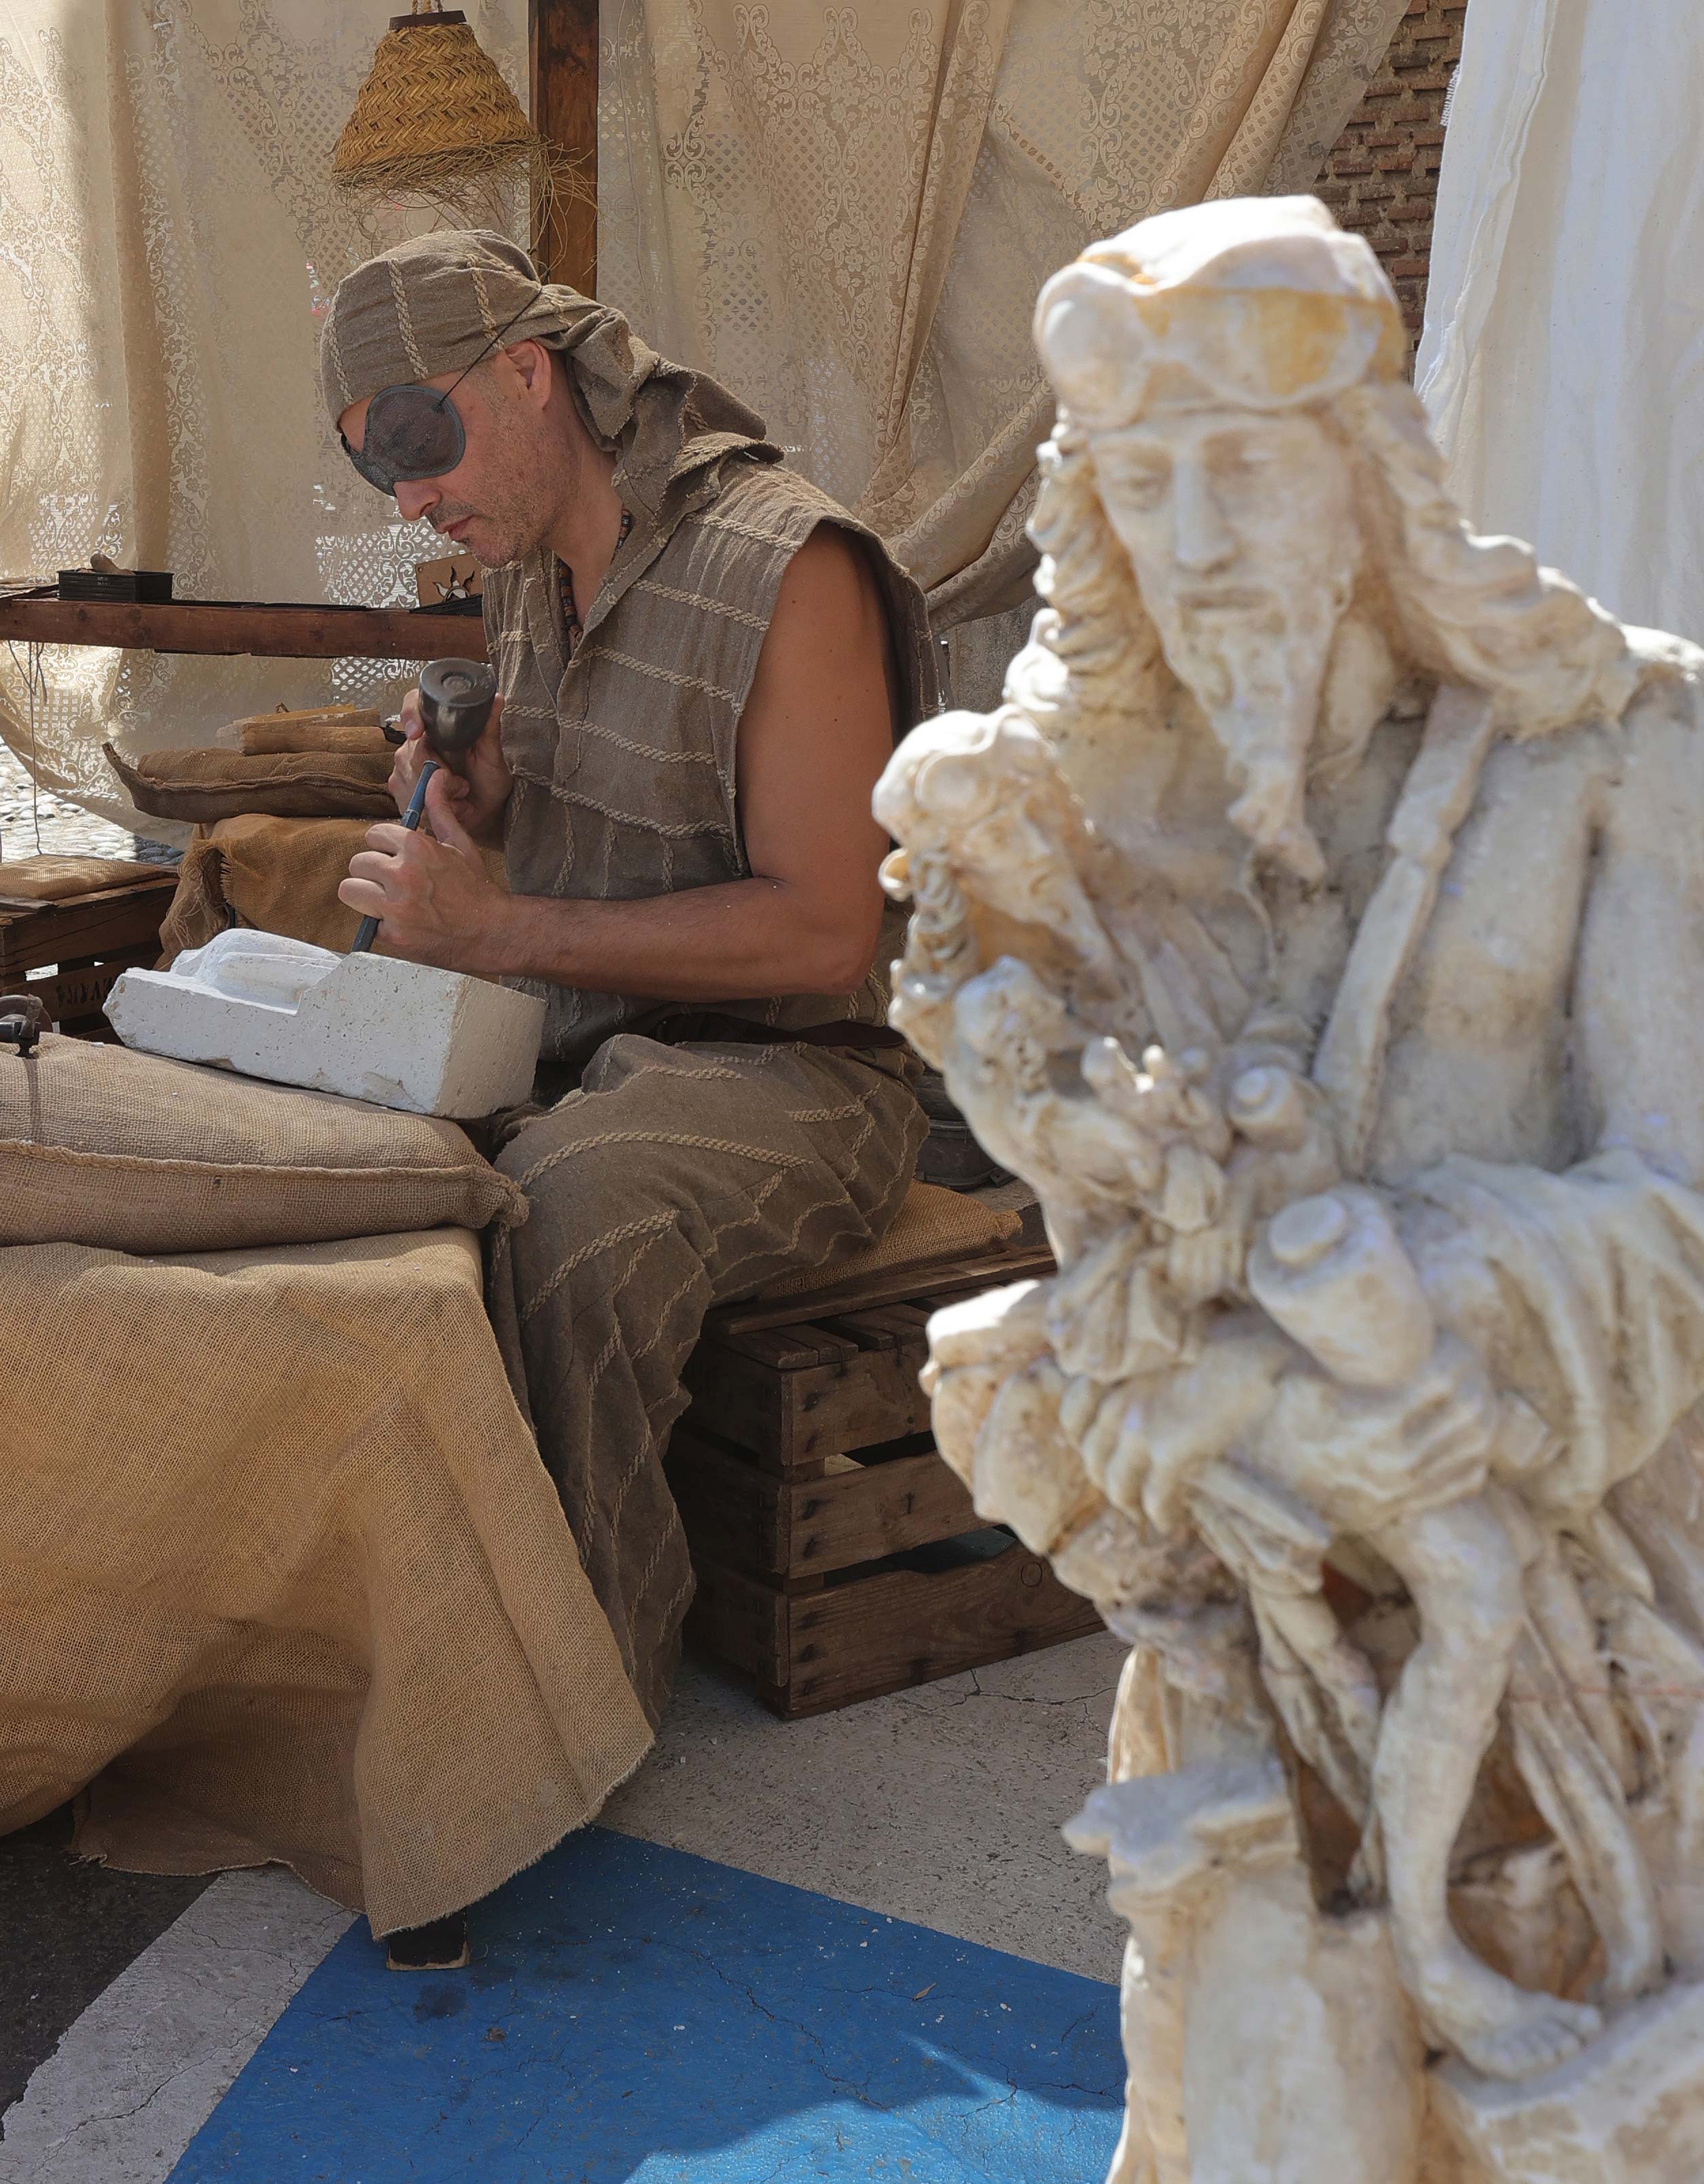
x,y
1264,303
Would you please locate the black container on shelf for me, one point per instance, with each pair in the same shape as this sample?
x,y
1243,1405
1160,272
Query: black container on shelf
x,y
150,588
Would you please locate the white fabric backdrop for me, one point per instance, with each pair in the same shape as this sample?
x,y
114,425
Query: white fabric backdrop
x,y
1562,360
168,234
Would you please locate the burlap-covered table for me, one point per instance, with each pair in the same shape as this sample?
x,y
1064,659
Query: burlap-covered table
x,y
314,1600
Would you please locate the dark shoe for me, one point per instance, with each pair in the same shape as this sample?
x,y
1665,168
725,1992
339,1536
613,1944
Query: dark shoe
x,y
439,1945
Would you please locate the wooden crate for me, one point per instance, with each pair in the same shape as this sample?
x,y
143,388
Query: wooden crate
x,y
838,1556
78,947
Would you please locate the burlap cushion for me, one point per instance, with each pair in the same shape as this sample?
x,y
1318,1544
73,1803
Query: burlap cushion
x,y
101,1146
60,879
215,784
932,1227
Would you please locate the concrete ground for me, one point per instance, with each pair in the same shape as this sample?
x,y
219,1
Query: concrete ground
x,y
935,1811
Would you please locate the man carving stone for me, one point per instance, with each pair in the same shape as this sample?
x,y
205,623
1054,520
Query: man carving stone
x,y
704,664
1382,1276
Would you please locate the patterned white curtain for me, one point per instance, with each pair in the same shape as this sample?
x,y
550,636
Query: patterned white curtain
x,y
169,236
1561,361
845,212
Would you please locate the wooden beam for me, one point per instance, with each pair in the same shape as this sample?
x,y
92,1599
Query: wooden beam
x,y
283,633
562,41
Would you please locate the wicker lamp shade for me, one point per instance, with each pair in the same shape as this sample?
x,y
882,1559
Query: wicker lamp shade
x,y
433,113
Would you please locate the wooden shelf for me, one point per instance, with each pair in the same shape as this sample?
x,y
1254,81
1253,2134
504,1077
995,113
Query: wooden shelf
x,y
289,632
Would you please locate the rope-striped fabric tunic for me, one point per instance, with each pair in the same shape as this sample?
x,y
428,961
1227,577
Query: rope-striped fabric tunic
x,y
623,750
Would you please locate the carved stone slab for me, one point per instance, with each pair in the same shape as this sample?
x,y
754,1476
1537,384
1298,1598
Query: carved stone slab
x,y
399,1034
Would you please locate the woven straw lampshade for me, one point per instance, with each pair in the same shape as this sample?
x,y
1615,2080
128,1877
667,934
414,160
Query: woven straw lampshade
x,y
434,114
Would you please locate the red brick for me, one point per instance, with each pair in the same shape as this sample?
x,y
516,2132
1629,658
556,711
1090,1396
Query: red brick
x,y
1420,208
1409,269
1383,89
1381,140
1354,165
1374,192
1428,136
1394,163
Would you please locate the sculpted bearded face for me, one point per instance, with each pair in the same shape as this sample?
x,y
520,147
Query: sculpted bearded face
x,y
1240,530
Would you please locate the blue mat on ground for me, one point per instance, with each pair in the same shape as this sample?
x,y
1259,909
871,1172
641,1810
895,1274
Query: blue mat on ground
x,y
636,2015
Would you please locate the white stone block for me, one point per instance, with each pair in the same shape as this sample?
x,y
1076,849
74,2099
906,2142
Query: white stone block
x,y
367,1027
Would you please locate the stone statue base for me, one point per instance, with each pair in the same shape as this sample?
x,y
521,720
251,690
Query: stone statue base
x,y
399,1034
1626,2109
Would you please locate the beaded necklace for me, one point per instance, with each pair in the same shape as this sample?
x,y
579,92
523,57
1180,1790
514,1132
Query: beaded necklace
x,y
571,612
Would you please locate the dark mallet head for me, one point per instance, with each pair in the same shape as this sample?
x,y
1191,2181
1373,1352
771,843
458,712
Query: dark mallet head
x,y
455,704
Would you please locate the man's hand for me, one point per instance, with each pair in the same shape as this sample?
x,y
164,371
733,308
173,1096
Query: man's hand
x,y
432,897
476,790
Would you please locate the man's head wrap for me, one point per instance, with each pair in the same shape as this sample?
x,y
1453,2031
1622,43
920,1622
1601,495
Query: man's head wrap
x,y
438,303
1262,303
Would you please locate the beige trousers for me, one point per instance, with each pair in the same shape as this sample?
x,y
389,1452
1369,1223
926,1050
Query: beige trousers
x,y
674,1178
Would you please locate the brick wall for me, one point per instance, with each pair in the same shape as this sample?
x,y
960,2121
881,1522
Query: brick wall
x,y
1382,177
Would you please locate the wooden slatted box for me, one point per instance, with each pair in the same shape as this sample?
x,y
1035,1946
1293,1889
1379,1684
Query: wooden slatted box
x,y
836,1555
77,946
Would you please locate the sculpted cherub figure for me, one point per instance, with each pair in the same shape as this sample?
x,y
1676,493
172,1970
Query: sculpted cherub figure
x,y
1382,808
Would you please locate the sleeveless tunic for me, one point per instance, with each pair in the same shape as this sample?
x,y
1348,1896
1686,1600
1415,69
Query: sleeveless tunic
x,y
624,753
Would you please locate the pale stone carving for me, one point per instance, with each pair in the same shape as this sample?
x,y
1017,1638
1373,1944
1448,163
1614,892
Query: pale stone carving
x,y
369,1027
1319,927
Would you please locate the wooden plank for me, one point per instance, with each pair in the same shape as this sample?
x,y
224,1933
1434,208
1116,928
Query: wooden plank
x,y
741,1621
904,1284
836,1410
734,1514
859,1516
73,995
886,1632
745,1519
86,927
562,37
264,632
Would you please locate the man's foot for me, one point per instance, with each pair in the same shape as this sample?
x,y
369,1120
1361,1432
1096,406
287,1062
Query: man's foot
x,y
439,1945
1498,2029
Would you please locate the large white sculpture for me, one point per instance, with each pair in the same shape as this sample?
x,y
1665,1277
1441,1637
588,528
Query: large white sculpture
x,y
370,1027
1319,927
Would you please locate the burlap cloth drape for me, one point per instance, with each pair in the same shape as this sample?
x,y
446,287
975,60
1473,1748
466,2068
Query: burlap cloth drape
x,y
845,214
315,1600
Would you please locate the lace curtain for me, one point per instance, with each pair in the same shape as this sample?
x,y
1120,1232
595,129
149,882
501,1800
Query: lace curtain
x,y
170,236
845,213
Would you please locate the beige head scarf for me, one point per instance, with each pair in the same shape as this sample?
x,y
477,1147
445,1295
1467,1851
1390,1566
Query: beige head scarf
x,y
438,303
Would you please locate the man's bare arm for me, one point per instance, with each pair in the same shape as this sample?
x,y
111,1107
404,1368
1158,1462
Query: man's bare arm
x,y
816,730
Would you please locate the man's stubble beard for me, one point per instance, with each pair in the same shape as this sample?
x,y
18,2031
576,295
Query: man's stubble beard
x,y
518,510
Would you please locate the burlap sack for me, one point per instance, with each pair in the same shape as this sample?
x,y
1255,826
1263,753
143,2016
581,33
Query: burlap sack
x,y
279,875
281,1576
931,1227
59,879
100,1145
215,784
